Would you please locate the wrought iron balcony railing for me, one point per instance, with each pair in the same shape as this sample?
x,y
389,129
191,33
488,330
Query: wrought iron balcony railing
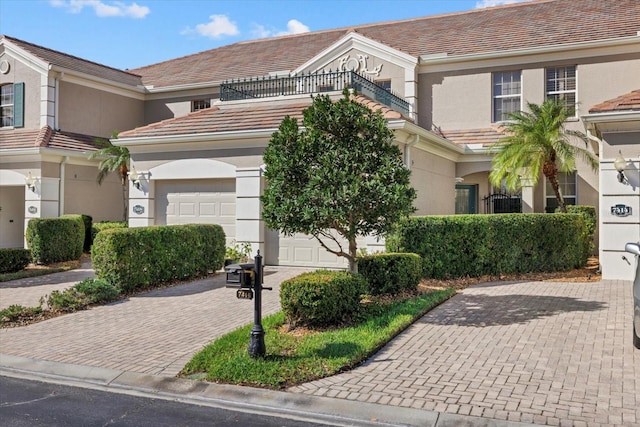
x,y
270,86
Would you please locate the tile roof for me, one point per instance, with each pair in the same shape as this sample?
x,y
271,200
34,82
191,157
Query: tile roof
x,y
46,137
80,65
484,137
627,102
242,116
494,29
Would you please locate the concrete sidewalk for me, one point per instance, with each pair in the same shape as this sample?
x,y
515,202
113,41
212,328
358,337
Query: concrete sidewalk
x,y
496,354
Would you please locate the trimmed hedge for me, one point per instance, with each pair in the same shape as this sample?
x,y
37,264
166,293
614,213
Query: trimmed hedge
x,y
14,259
105,225
476,245
322,298
87,220
55,239
391,273
133,258
591,221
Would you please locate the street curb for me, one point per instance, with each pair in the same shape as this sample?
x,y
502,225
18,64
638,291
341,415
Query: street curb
x,y
325,410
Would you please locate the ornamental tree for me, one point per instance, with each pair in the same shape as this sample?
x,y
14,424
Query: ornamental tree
x,y
337,178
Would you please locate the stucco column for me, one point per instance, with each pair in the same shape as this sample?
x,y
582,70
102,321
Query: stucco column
x,y
141,209
249,223
43,201
527,193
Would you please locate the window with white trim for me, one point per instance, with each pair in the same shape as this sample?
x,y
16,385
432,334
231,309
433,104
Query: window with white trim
x,y
6,105
561,85
568,189
200,104
507,94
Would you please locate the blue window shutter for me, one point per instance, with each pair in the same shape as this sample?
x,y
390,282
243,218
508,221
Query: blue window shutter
x,y
18,105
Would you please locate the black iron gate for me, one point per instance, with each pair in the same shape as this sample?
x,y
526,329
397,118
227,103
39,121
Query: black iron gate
x,y
502,203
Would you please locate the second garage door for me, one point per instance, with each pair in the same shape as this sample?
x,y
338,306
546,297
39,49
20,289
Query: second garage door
x,y
211,201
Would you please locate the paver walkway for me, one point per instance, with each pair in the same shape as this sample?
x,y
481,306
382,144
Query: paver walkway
x,y
546,353
27,292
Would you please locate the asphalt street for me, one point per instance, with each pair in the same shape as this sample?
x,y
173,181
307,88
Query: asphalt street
x,y
25,403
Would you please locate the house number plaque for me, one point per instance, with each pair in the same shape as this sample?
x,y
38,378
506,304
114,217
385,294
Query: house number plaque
x,y
621,210
32,209
138,210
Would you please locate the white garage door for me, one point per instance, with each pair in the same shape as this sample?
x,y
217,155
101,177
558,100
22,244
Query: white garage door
x,y
305,251
210,201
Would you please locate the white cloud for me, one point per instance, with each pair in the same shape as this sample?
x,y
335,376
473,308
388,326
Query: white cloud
x,y
217,27
490,3
103,9
293,27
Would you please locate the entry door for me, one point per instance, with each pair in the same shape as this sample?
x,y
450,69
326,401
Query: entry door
x,y
466,199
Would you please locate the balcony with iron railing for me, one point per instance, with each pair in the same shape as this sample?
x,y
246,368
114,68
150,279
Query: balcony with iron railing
x,y
273,86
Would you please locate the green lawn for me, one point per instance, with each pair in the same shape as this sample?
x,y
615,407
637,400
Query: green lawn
x,y
295,358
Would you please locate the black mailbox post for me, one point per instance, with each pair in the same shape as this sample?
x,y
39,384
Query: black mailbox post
x,y
248,278
240,275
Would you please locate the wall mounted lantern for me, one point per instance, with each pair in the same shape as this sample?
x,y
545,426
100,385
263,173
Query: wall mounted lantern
x,y
31,182
620,163
136,177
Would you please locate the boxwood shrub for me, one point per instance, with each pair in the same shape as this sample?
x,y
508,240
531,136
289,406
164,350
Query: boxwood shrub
x,y
322,298
475,245
391,273
133,258
55,239
105,225
14,259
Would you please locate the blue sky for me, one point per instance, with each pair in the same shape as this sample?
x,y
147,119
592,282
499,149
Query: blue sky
x,y
128,34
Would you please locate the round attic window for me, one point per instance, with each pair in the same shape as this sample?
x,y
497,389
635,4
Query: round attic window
x,y
4,66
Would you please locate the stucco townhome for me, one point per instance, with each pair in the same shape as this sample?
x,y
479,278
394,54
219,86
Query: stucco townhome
x,y
196,126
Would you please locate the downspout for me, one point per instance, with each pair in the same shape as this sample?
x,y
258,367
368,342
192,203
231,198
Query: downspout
x,y
63,169
407,150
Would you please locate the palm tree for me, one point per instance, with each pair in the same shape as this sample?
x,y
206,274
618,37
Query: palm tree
x,y
114,158
537,141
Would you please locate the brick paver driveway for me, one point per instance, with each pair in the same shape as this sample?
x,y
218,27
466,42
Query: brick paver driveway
x,y
547,353
156,333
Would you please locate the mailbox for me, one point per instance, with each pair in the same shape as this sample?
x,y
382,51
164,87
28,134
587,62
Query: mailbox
x,y
240,275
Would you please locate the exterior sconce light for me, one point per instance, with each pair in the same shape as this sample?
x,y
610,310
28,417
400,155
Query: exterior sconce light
x,y
134,177
137,178
31,182
620,163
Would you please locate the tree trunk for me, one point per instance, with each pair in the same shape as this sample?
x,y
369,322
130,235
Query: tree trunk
x,y
556,189
124,203
353,253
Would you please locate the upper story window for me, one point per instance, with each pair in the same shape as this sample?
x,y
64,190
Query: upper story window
x,y
6,105
200,104
568,189
507,94
12,105
561,84
384,84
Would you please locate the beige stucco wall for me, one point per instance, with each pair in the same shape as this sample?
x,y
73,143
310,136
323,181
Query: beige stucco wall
x,y
159,108
433,178
83,195
96,112
463,99
21,73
